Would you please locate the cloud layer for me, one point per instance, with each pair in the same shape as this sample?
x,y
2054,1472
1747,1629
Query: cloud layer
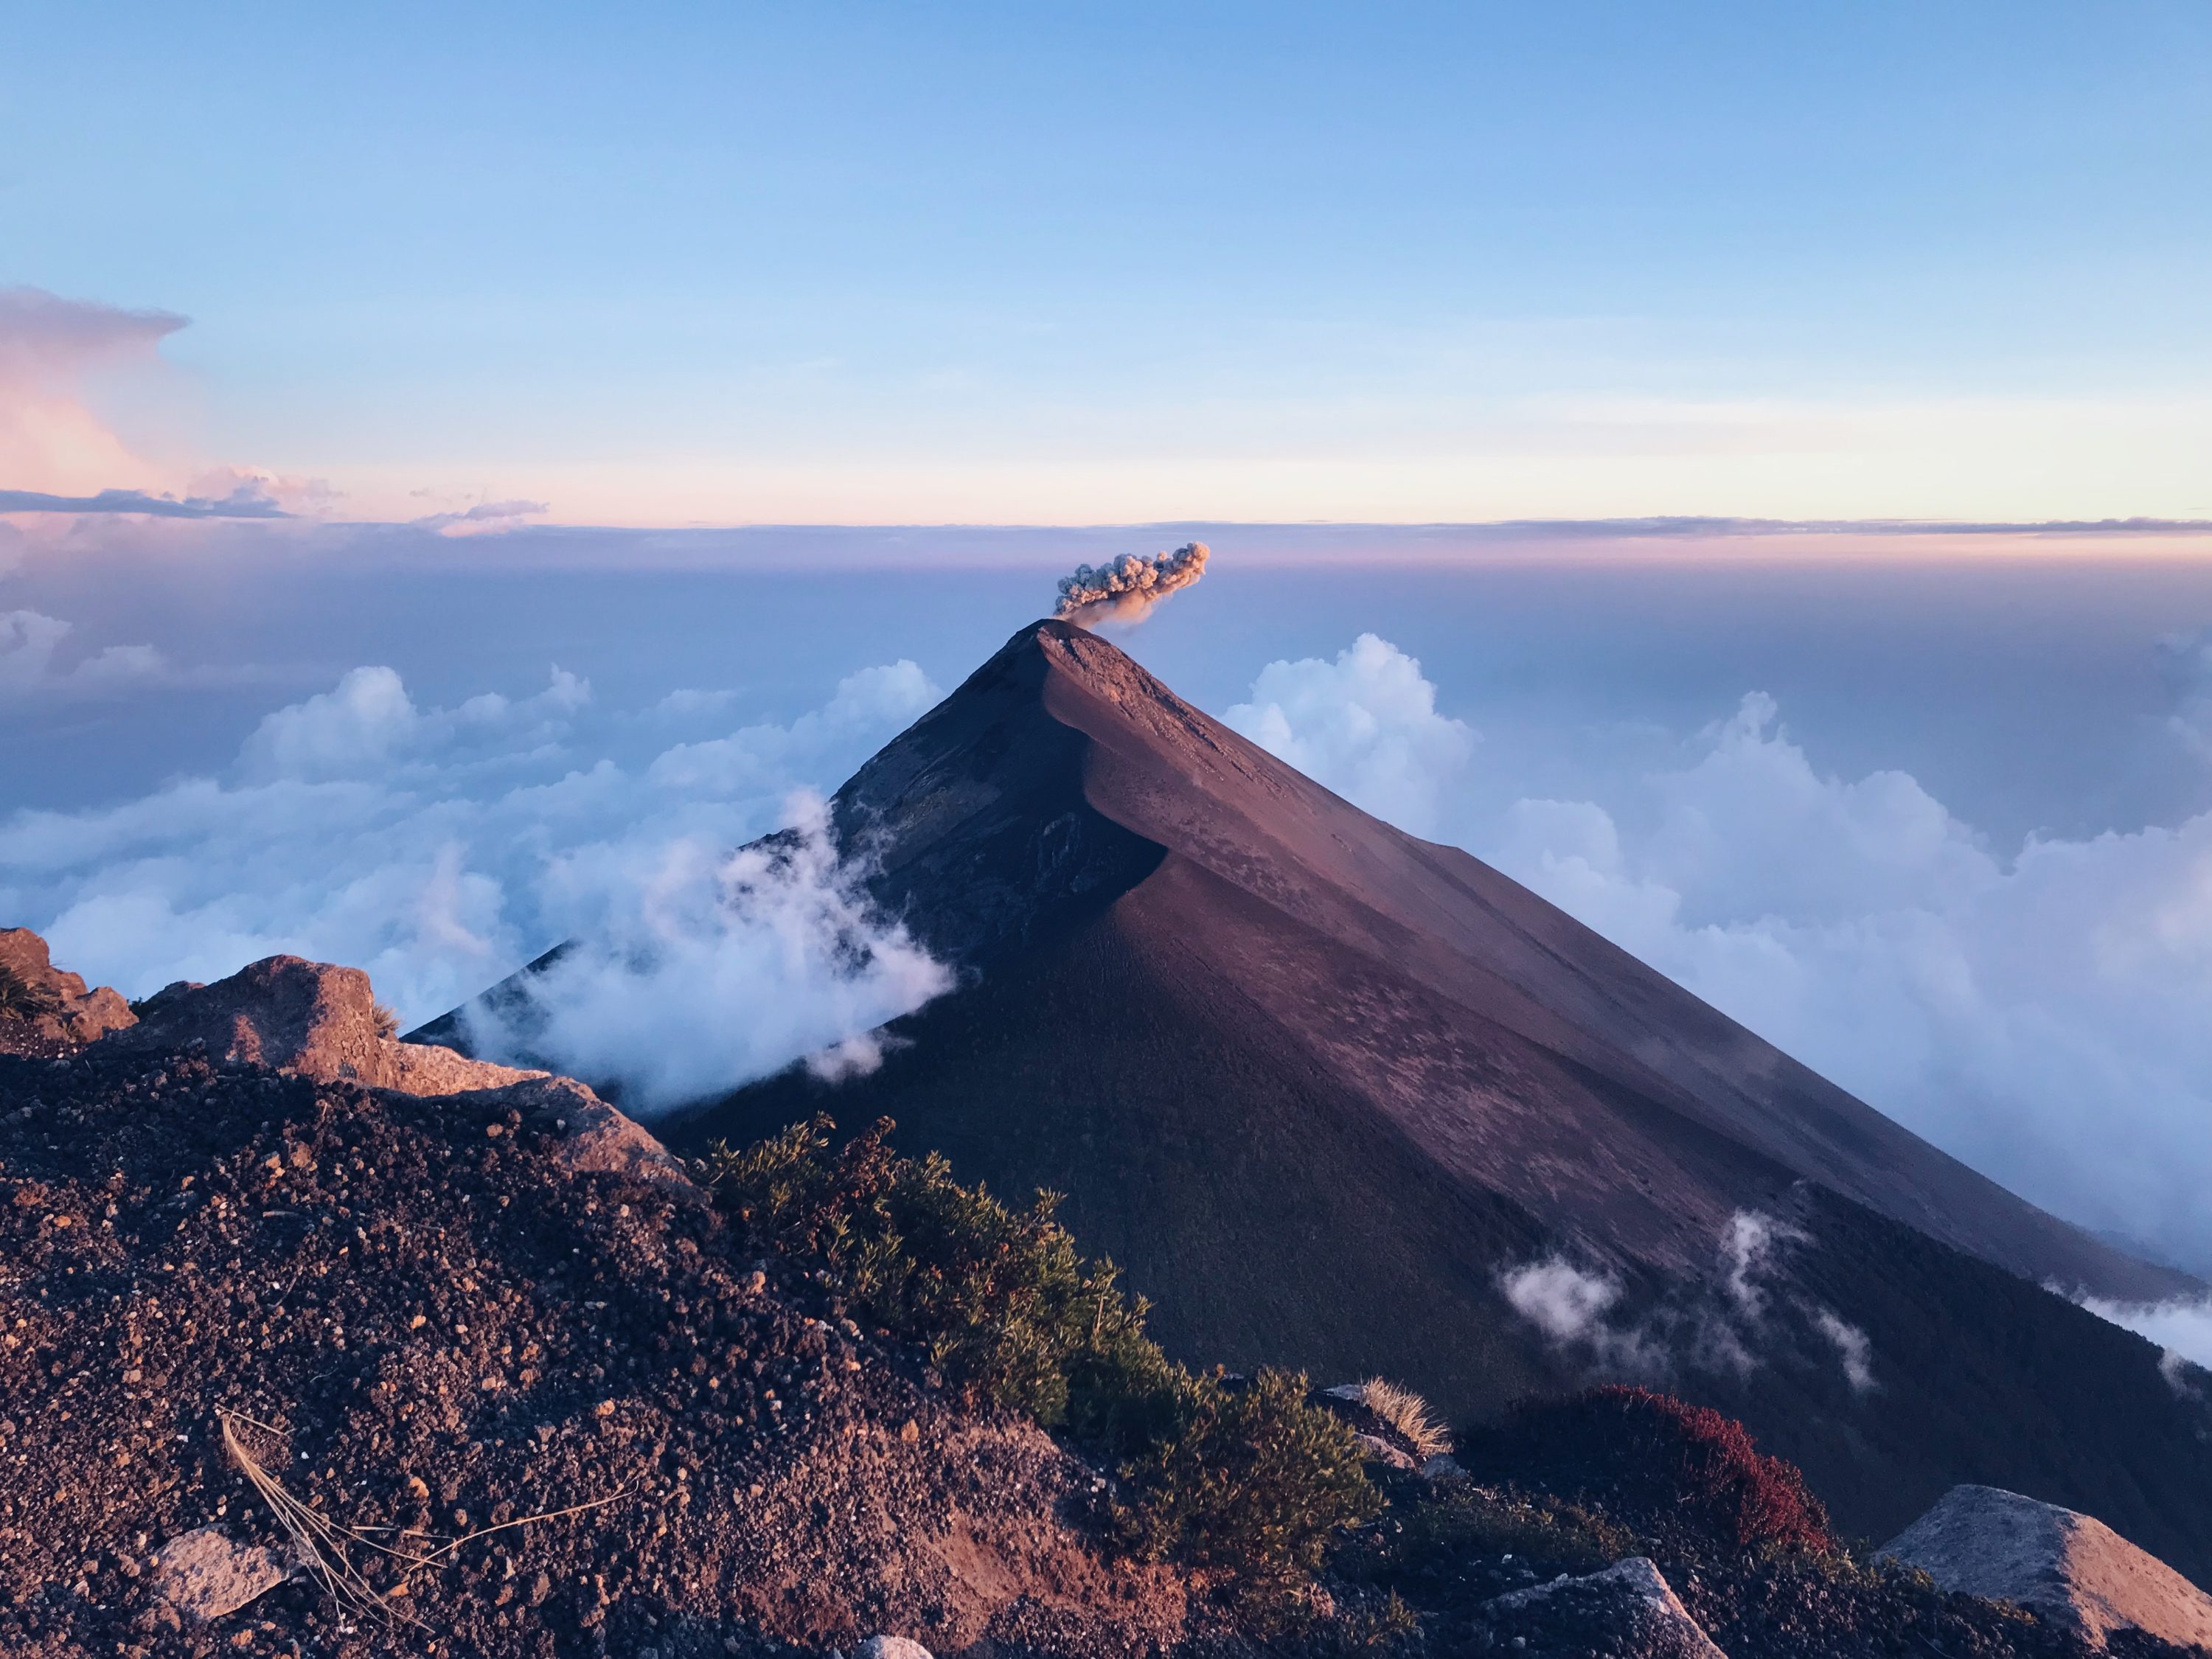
x,y
441,848
711,967
2038,1011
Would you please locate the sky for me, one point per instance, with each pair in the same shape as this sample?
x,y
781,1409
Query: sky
x,y
980,264
1741,469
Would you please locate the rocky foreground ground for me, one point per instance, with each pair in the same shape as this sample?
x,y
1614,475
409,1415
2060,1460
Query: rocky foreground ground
x,y
293,1362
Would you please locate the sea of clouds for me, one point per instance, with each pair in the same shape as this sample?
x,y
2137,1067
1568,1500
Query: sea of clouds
x,y
441,848
2036,1008
2039,1010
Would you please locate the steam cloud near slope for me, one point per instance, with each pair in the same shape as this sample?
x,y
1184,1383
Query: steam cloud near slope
x,y
1123,591
2181,1327
2039,1014
718,966
1748,1314
441,848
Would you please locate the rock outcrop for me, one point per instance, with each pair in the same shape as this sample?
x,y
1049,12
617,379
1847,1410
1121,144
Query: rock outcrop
x,y
595,1138
1628,1609
322,1022
43,1007
2070,1569
309,1017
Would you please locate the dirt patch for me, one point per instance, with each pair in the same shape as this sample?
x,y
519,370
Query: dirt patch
x,y
428,1324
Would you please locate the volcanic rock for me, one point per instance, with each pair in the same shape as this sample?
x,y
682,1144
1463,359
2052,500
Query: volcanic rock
x,y
310,1017
1628,1609
206,1575
2068,1568
57,1009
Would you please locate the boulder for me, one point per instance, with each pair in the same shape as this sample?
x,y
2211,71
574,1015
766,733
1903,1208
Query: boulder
x,y
2070,1569
891,1647
595,1138
310,1017
1375,1449
52,1007
1628,1609
205,1574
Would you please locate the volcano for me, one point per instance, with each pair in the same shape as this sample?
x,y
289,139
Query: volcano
x,y
1337,1098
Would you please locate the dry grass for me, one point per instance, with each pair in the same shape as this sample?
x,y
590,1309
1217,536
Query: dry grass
x,y
385,1020
1408,1415
326,1549
20,1000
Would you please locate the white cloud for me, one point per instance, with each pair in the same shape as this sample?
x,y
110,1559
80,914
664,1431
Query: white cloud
x,y
1365,724
2183,1328
30,642
1748,1311
440,849
1573,1309
875,698
713,966
2040,1013
1854,1350
1747,1252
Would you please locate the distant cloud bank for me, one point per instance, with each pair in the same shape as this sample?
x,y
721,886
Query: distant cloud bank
x,y
2038,1011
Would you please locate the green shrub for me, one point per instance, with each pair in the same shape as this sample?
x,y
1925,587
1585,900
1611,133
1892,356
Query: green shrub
x,y
1251,1479
998,1298
1454,1520
1254,1480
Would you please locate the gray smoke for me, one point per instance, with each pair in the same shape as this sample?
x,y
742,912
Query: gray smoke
x,y
1125,590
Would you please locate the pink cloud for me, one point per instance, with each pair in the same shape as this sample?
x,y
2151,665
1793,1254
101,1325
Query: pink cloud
x,y
50,349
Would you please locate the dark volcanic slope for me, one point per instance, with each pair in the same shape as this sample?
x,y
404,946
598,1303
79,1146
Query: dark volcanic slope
x,y
1316,1084
1063,796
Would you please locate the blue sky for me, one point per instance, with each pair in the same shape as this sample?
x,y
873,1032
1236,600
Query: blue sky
x,y
868,264
542,281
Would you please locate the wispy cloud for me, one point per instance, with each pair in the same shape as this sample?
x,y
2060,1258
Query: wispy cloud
x,y
30,640
246,501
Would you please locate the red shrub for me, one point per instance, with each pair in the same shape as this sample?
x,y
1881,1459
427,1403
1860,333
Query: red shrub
x,y
1664,1467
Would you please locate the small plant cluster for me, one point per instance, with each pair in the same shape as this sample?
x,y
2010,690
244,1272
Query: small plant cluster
x,y
20,1000
1670,1468
1406,1414
1244,1476
1454,1520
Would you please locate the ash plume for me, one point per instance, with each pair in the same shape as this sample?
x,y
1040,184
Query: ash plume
x,y
1125,590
